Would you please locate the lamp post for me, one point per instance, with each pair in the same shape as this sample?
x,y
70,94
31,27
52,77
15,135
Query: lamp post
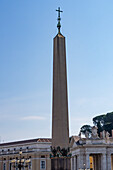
x,y
19,163
84,166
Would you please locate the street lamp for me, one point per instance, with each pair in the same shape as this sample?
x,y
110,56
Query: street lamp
x,y
19,163
84,166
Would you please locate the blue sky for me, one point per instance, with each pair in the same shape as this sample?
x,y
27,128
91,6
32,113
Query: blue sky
x,y
27,29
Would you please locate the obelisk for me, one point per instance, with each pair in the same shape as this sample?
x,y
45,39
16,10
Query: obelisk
x,y
60,158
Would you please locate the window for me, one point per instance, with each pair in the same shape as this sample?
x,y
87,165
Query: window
x,y
10,166
4,166
42,164
23,166
42,156
29,166
16,164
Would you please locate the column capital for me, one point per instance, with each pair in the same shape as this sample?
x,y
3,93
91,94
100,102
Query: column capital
x,y
108,154
104,154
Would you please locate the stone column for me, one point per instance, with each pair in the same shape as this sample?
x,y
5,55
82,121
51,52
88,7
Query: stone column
x,y
109,161
78,162
87,161
75,165
98,160
103,161
72,163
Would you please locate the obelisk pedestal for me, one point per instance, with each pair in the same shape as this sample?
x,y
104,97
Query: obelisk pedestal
x,y
60,164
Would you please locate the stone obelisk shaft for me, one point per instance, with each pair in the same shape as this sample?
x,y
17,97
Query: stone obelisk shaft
x,y
60,126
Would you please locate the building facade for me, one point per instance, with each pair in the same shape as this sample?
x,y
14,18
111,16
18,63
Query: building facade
x,y
94,153
37,150
87,153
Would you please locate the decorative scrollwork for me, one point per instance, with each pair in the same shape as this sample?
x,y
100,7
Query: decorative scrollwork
x,y
58,152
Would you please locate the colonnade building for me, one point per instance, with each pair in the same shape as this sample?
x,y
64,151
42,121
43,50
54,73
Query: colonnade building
x,y
91,153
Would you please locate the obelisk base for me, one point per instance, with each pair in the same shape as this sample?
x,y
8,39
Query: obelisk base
x,y
61,164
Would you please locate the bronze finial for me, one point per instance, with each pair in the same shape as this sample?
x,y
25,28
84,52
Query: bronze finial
x,y
59,25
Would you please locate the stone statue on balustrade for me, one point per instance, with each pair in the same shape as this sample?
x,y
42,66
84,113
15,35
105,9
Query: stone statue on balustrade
x,y
107,135
87,134
94,134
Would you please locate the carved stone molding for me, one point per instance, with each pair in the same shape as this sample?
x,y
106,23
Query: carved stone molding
x,y
60,152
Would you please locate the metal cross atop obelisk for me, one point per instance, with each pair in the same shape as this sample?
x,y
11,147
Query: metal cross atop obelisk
x,y
59,25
